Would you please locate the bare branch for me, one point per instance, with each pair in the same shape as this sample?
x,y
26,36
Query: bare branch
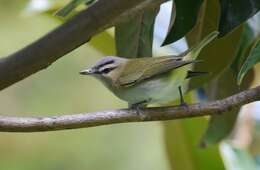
x,y
36,124
62,40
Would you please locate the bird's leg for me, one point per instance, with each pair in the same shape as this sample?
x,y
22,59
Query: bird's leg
x,y
181,96
141,104
138,106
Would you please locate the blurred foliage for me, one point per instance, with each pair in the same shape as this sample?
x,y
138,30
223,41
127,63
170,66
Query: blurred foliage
x,y
134,37
60,89
236,158
184,152
71,6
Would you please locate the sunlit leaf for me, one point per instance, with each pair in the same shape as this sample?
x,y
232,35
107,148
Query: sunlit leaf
x,y
235,12
134,37
253,58
71,6
184,17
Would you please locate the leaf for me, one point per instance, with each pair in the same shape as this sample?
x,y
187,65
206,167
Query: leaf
x,y
134,37
181,137
217,57
71,6
220,126
246,40
235,12
184,17
253,58
219,54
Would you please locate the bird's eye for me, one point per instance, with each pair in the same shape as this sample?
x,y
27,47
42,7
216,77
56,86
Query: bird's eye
x,y
106,70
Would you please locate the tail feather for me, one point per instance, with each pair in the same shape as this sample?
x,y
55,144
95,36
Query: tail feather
x,y
194,51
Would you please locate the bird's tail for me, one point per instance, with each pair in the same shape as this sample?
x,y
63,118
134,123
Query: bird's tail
x,y
194,51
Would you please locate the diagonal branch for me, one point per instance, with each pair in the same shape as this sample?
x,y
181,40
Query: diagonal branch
x,y
36,124
77,31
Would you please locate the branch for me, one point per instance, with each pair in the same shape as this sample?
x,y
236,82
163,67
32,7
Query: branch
x,y
36,124
43,52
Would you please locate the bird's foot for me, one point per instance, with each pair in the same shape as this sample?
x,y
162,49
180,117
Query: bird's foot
x,y
183,103
138,107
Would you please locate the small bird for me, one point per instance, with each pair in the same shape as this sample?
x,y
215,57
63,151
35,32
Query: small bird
x,y
148,80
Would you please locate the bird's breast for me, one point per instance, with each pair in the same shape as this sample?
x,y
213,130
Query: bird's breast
x,y
159,89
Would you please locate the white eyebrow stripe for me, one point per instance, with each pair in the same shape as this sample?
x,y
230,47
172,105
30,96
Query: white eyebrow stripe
x,y
105,63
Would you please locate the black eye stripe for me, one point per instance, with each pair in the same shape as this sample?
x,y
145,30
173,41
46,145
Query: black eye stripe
x,y
107,70
106,63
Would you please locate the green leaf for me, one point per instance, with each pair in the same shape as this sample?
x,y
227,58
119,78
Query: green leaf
x,y
181,137
253,58
71,6
217,57
184,17
235,12
219,54
246,40
134,37
220,126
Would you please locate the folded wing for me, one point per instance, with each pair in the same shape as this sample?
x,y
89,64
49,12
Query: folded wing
x,y
148,68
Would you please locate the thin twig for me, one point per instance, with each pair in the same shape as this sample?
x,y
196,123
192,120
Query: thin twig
x,y
36,124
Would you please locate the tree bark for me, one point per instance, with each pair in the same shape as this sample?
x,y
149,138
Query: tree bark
x,y
36,124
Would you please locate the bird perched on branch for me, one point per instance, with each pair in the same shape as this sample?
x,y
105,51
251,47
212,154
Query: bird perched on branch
x,y
148,80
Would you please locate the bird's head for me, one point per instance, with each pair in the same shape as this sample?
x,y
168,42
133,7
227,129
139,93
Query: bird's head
x,y
106,68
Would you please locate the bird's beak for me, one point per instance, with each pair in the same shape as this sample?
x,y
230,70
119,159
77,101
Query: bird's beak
x,y
88,71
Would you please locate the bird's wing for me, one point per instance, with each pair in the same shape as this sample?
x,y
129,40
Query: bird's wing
x,y
147,68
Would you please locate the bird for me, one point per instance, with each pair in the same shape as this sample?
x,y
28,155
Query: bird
x,y
148,80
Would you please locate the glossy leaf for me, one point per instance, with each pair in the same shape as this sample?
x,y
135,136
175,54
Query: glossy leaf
x,y
235,12
184,17
134,37
71,6
253,58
